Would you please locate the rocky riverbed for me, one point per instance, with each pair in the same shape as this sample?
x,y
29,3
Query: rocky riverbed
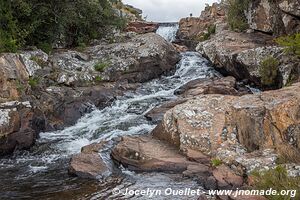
x,y
141,110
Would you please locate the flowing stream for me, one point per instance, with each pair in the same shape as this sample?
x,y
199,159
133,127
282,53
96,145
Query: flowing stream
x,y
41,172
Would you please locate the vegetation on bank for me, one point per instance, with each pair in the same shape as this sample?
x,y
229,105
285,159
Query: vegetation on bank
x,y
268,71
278,180
211,30
216,162
291,43
44,23
236,14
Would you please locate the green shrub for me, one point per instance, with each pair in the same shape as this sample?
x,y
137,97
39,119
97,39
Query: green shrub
x,y
98,78
268,71
216,162
42,22
33,82
20,86
277,179
100,66
291,43
236,16
210,31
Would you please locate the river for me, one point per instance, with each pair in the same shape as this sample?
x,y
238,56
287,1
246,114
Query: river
x,y
41,172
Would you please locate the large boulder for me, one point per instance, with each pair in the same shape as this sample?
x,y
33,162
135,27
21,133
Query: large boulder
x,y
224,85
138,58
20,124
89,163
13,75
241,54
147,154
248,130
274,17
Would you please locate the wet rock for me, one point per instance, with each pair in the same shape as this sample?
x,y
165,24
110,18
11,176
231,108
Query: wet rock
x,y
89,164
19,126
226,178
180,48
156,114
202,174
197,156
142,27
197,87
63,106
145,153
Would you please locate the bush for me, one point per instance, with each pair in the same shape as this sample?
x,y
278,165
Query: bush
x,y
210,31
276,179
33,82
100,66
268,71
291,43
42,23
98,78
236,16
216,162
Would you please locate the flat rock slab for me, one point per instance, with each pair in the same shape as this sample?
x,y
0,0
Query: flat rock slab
x,y
145,153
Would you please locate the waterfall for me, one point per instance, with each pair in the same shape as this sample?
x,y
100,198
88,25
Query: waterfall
x,y
168,31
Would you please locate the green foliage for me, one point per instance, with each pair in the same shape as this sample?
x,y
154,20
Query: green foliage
x,y
100,66
210,31
268,71
277,179
216,162
291,43
8,30
20,86
236,16
98,78
33,82
43,23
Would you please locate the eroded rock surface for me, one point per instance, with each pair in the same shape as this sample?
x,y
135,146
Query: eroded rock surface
x,y
145,153
250,130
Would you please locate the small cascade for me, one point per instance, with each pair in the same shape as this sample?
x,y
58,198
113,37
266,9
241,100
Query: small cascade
x,y
168,31
42,171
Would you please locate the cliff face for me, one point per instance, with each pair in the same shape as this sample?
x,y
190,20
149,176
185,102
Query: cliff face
x,y
274,17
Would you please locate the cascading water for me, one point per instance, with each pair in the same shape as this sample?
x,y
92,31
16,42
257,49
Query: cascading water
x,y
42,171
168,31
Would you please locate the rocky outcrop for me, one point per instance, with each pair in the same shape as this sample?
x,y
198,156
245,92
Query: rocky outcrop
x,y
192,29
224,85
274,17
142,27
241,55
138,58
68,84
20,124
149,154
246,131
